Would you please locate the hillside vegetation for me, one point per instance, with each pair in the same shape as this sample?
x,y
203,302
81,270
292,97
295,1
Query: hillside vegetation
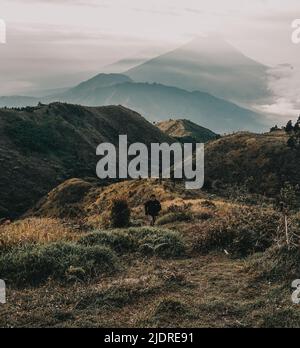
x,y
261,162
61,140
42,146
155,101
209,262
224,256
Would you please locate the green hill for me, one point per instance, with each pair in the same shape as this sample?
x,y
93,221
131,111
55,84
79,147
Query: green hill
x,y
42,146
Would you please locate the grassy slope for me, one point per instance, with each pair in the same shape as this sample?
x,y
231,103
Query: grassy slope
x,y
186,131
197,290
41,147
263,162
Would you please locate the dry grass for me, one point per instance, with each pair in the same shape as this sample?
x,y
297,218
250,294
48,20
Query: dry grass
x,y
201,290
206,291
34,230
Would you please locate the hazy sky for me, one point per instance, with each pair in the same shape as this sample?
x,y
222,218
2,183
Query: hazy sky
x,y
57,43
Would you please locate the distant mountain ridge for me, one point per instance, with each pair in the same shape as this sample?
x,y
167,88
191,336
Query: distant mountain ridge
x,y
206,80
187,131
98,81
156,102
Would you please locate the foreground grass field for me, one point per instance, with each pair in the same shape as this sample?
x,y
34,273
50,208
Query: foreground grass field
x,y
208,263
204,291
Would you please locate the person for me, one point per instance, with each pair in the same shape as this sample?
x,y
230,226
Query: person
x,y
152,209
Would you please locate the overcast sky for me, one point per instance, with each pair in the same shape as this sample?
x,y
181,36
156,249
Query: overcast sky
x,y
57,43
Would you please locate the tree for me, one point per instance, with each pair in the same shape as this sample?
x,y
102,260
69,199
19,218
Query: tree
x,y
274,129
297,127
289,127
120,213
291,143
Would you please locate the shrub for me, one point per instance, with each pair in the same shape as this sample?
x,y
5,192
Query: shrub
x,y
160,242
152,241
174,217
34,264
277,263
246,231
120,213
119,240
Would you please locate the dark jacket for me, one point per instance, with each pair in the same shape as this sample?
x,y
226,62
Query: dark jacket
x,y
152,207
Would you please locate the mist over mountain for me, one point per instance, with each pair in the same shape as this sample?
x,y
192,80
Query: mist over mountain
x,y
157,102
206,81
210,65
99,81
154,101
18,101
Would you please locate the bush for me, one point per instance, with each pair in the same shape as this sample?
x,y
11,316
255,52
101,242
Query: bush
x,y
278,263
162,243
174,217
246,231
119,240
35,264
151,241
120,213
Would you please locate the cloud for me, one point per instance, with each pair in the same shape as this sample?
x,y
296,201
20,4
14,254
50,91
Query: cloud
x,y
284,83
57,42
51,56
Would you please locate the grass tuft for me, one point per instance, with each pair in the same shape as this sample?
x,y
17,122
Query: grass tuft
x,y
34,264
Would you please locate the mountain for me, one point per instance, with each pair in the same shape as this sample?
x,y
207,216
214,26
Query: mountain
x,y
84,89
42,146
158,102
186,131
155,101
80,91
210,65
